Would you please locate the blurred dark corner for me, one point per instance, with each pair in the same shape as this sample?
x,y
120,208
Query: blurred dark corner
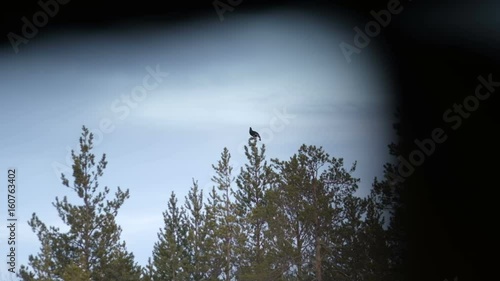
x,y
436,50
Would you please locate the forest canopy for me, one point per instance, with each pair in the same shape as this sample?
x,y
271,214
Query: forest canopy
x,y
274,219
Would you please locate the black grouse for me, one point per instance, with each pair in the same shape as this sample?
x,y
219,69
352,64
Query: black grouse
x,y
254,133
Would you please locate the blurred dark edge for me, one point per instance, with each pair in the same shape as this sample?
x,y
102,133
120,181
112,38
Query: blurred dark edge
x,y
452,210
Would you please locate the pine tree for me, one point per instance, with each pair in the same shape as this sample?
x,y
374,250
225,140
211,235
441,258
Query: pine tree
x,y
196,233
170,252
314,197
288,209
148,271
346,258
342,222
213,236
91,249
373,240
318,213
390,196
227,229
253,181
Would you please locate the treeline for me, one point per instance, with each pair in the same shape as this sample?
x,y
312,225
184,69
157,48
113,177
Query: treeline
x,y
294,219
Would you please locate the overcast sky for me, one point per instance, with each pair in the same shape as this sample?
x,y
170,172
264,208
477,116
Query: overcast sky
x,y
282,73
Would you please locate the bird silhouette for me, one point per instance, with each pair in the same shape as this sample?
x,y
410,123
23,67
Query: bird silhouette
x,y
253,133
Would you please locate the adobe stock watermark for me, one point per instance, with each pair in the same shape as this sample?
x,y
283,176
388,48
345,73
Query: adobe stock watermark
x,y
372,29
221,7
39,19
121,108
453,117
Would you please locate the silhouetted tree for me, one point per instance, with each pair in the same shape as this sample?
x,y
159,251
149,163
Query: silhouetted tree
x,y
91,249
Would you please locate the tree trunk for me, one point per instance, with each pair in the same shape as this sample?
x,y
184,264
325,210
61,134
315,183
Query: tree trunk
x,y
317,233
228,238
299,250
318,253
